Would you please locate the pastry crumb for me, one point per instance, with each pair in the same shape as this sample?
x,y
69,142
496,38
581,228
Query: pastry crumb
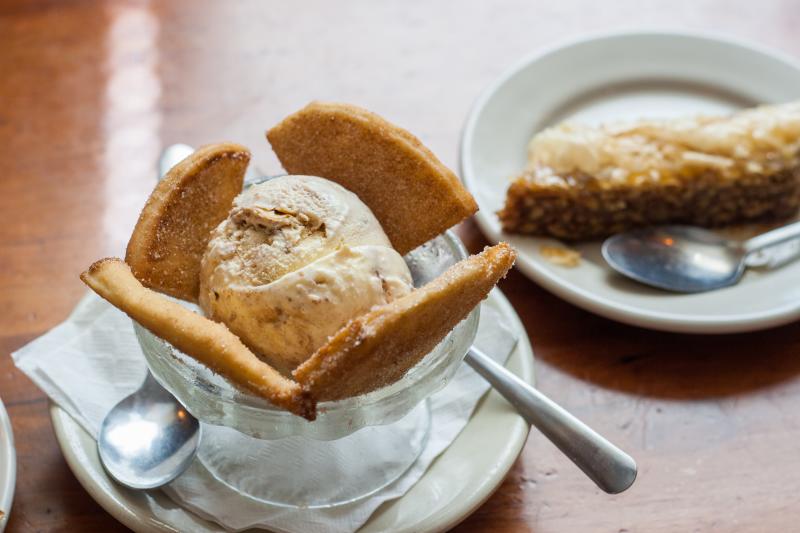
x,y
565,257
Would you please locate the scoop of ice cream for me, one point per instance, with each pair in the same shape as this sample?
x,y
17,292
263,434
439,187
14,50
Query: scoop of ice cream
x,y
296,259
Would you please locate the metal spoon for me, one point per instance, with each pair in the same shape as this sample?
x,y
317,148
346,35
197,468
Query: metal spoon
x,y
148,439
687,258
609,467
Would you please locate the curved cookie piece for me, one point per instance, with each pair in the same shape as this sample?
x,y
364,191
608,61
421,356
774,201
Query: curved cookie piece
x,y
380,346
413,195
209,342
175,225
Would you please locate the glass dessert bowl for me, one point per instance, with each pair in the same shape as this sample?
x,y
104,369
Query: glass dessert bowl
x,y
356,445
340,275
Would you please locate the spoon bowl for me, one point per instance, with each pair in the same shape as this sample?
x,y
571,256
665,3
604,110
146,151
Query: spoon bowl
x,y
676,258
686,258
148,439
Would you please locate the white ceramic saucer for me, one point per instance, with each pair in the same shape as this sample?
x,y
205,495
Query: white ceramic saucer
x,y
456,484
620,77
8,467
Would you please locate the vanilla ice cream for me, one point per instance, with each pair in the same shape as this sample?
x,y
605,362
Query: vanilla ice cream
x,y
296,259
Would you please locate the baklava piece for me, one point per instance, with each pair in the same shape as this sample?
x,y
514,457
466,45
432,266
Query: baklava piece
x,y
585,182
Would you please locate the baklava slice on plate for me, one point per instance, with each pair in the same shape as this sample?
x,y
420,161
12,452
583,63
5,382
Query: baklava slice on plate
x,y
584,182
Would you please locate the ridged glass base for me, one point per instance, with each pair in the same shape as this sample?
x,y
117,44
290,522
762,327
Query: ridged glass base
x,y
303,472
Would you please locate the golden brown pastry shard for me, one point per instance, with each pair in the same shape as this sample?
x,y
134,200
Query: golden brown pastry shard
x,y
380,346
209,342
174,227
413,195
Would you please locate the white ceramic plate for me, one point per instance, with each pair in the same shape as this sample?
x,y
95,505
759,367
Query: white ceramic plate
x,y
456,484
620,77
8,467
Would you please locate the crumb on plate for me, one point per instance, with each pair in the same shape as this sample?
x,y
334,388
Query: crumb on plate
x,y
565,257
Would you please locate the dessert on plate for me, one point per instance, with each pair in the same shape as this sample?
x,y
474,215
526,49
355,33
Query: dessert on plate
x,y
585,182
304,291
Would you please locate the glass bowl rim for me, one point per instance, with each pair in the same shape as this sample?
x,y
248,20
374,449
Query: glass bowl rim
x,y
244,400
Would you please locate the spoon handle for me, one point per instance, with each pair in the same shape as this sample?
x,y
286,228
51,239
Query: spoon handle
x,y
609,467
175,153
171,156
771,238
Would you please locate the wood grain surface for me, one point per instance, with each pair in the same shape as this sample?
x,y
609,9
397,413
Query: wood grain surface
x,y
91,91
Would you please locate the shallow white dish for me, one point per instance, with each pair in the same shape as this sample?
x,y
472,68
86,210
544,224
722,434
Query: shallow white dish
x,y
456,484
8,467
620,77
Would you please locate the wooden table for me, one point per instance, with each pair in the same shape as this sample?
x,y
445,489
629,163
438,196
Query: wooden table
x,y
90,92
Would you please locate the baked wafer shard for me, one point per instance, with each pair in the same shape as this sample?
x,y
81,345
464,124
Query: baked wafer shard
x,y
209,342
586,182
413,195
379,347
174,227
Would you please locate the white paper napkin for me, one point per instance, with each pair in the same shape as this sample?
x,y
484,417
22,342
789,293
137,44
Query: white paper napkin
x,y
92,360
